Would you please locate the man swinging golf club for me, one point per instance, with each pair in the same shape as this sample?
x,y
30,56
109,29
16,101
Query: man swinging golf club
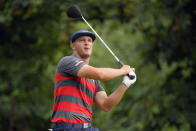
x,y
77,86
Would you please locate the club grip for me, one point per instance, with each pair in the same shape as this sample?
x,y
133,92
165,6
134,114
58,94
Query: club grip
x,y
130,76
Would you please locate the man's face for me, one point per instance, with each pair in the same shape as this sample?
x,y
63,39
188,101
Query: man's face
x,y
83,46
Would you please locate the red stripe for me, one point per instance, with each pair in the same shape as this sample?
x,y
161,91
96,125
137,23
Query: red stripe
x,y
88,84
67,106
61,119
59,77
71,90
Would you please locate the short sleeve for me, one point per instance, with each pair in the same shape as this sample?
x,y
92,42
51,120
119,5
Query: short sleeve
x,y
70,65
100,88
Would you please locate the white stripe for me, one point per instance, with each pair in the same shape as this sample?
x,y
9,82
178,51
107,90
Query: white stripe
x,y
78,63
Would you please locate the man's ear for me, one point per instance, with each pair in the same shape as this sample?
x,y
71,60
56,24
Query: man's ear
x,y
72,46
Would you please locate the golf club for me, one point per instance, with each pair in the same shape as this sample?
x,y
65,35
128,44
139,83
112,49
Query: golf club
x,y
75,12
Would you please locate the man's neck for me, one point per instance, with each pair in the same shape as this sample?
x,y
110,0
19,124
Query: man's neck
x,y
86,60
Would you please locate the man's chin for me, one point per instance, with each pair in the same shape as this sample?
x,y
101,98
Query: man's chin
x,y
85,56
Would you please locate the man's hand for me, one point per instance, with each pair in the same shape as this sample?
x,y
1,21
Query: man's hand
x,y
127,69
127,81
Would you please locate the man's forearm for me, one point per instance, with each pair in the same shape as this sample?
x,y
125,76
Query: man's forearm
x,y
115,97
102,73
109,73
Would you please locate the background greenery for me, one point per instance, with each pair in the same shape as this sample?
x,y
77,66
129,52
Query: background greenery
x,y
157,37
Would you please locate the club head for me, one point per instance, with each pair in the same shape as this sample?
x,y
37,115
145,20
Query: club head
x,y
74,12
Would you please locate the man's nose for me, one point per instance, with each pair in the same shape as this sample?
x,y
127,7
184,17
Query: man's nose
x,y
86,43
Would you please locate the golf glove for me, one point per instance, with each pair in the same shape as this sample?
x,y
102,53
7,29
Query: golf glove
x,y
127,81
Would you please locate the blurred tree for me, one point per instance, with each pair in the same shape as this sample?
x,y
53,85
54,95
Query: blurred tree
x,y
31,43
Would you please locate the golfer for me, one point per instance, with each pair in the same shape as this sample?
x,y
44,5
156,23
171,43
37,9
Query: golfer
x,y
77,86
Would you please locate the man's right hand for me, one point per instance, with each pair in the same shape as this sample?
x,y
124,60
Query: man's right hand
x,y
127,69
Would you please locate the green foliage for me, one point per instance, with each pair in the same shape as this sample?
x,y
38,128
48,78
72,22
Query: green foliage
x,y
155,37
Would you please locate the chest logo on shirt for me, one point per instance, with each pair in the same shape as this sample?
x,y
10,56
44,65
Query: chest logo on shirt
x,y
91,80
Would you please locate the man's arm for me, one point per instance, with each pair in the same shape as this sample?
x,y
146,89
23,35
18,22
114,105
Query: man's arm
x,y
105,102
103,73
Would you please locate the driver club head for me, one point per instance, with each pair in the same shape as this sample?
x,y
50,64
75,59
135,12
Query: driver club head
x,y
74,12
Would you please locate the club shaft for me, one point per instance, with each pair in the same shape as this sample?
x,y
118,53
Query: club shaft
x,y
102,41
120,62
